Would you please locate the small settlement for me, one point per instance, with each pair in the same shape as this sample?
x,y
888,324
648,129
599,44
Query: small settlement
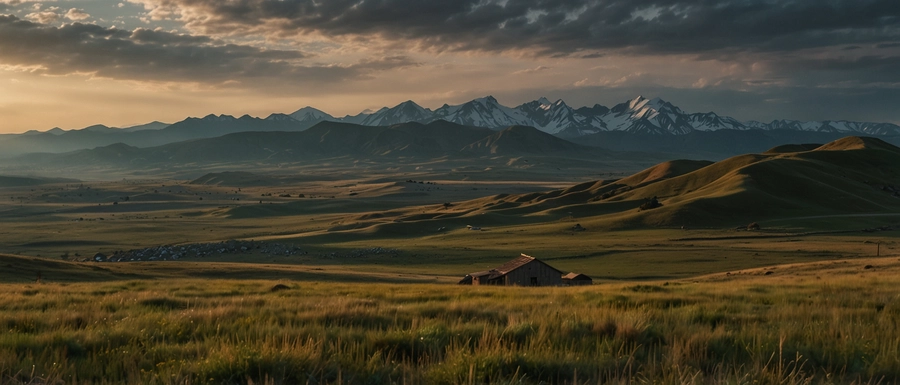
x,y
525,271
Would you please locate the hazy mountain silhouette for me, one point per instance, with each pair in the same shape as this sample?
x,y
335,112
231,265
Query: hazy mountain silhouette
x,y
324,140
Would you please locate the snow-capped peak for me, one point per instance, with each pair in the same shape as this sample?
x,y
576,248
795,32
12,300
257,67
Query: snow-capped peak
x,y
309,114
637,102
638,115
486,101
407,111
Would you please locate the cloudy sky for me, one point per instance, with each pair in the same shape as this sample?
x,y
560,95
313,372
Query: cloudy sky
x,y
76,63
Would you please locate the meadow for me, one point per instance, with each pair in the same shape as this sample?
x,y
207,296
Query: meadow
x,y
832,322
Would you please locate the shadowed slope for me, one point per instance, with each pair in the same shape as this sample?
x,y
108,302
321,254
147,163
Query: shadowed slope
x,y
665,170
849,176
523,140
235,179
856,176
789,148
858,143
15,268
20,181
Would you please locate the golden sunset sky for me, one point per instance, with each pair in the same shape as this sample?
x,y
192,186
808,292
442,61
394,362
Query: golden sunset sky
x,y
72,64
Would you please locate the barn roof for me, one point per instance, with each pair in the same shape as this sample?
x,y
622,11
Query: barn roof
x,y
576,276
515,263
507,267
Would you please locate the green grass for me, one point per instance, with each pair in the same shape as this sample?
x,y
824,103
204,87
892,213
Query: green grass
x,y
833,322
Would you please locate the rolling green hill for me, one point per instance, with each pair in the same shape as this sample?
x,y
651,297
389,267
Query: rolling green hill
x,y
849,177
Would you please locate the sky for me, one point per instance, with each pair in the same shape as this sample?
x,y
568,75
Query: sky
x,y
72,64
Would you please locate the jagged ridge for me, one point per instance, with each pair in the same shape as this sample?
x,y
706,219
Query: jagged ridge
x,y
638,116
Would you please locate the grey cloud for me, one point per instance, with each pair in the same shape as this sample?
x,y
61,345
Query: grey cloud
x,y
564,27
77,14
153,55
870,70
46,16
150,36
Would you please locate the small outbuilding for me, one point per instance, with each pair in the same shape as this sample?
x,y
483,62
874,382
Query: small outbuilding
x,y
522,271
576,279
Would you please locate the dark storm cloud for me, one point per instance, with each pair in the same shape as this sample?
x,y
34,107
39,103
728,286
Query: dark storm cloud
x,y
152,55
554,27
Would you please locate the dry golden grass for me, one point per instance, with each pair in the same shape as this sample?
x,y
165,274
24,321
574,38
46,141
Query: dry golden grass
x,y
813,323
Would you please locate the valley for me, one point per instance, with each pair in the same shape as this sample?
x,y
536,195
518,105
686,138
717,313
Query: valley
x,y
444,217
280,192
158,263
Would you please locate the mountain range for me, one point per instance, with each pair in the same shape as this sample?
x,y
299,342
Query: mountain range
x,y
637,116
325,140
631,126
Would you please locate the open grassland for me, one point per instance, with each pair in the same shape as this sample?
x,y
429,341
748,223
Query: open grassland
x,y
451,216
824,322
430,240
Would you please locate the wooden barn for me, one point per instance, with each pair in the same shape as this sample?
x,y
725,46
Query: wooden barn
x,y
522,271
576,279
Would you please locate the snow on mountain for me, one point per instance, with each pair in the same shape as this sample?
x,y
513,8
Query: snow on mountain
x,y
309,114
556,117
867,128
482,112
648,116
711,122
360,117
639,115
407,111
837,126
755,125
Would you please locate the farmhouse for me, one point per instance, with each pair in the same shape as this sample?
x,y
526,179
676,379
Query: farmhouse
x,y
522,271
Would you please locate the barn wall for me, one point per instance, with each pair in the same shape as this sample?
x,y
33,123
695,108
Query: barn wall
x,y
546,275
483,280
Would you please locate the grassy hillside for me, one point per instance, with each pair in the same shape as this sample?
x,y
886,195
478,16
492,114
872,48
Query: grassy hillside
x,y
852,176
716,145
821,323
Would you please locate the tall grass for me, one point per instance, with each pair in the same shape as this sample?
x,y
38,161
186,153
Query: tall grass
x,y
752,331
